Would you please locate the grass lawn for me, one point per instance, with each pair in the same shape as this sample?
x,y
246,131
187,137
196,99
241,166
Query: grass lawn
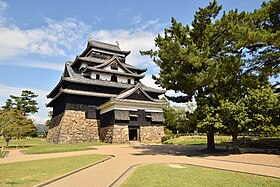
x,y
1,154
164,175
257,142
40,146
199,140
30,173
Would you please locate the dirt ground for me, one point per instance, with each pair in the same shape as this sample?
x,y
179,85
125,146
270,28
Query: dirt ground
x,y
126,156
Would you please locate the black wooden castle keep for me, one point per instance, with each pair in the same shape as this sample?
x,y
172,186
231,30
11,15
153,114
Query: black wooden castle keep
x,y
101,97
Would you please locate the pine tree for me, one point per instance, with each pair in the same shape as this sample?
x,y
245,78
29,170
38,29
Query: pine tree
x,y
217,61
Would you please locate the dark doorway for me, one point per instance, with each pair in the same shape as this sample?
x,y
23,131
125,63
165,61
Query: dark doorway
x,y
133,133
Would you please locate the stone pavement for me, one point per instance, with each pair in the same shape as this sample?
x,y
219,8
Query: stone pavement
x,y
126,156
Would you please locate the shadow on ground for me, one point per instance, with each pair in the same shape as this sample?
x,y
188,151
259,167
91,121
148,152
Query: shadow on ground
x,y
183,150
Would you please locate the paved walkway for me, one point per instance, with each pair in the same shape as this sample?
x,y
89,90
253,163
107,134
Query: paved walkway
x,y
104,174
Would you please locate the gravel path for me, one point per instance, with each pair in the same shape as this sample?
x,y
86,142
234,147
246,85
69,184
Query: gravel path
x,y
126,156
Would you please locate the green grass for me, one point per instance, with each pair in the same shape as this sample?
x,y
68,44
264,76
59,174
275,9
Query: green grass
x,y
40,146
30,173
198,140
155,175
1,154
256,142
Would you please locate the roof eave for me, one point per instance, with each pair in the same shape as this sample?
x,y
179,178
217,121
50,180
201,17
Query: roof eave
x,y
112,50
55,88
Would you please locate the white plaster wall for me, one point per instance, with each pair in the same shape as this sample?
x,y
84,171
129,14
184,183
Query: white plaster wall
x,y
124,79
130,108
109,68
105,76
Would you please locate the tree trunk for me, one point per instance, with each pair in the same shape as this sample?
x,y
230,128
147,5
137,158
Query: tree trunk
x,y
210,140
7,142
234,141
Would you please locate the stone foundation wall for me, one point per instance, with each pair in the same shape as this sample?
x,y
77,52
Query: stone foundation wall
x,y
114,134
120,134
106,134
74,127
151,133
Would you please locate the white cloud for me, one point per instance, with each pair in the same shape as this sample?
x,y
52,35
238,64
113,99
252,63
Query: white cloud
x,y
35,64
57,38
149,81
133,40
42,115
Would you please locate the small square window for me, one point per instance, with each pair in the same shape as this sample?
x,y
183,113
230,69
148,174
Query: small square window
x,y
97,76
128,81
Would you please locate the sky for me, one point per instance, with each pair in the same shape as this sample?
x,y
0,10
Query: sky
x,y
38,37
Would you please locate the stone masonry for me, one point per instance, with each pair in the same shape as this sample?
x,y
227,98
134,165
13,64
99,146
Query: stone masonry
x,y
114,134
120,134
151,133
74,127
106,134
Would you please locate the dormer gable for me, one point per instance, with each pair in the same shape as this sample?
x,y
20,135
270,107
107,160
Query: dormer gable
x,y
135,93
113,64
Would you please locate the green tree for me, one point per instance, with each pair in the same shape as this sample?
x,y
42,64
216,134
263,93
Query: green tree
x,y
188,61
12,124
217,61
25,103
177,119
8,105
263,108
14,121
49,121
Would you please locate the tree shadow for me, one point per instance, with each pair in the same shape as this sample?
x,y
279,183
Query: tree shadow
x,y
189,150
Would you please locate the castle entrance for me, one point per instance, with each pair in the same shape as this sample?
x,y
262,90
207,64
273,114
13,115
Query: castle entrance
x,y
133,133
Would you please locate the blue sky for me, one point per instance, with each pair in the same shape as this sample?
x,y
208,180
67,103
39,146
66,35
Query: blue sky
x,y
37,37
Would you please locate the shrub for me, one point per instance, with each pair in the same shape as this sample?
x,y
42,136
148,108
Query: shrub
x,y
165,138
168,131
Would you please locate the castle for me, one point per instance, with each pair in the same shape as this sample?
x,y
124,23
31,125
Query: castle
x,y
100,97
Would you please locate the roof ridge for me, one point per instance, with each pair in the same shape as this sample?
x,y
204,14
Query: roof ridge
x,y
104,43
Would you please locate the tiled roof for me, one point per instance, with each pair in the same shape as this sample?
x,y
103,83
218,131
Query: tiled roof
x,y
78,78
106,46
79,92
100,61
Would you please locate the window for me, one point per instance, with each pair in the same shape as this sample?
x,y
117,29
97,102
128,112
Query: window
x,y
90,114
114,78
128,81
148,116
97,76
114,67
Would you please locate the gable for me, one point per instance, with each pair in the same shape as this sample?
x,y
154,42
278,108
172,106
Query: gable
x,y
115,66
138,95
135,93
